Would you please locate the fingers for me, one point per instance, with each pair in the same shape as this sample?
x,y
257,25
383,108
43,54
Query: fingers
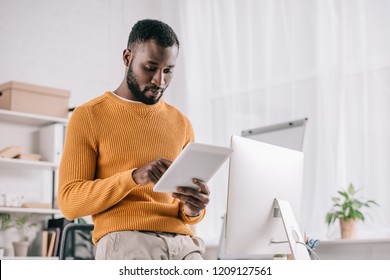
x,y
192,197
194,200
165,162
203,188
151,172
162,164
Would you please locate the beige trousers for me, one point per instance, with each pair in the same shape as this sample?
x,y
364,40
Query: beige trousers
x,y
145,245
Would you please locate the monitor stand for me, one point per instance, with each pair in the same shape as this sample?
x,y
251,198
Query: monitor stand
x,y
282,209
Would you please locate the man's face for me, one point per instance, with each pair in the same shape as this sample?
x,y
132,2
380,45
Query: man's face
x,y
150,71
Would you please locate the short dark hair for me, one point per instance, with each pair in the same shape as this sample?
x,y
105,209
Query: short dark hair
x,y
147,29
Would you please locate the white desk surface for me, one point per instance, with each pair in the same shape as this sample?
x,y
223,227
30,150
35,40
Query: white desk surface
x,y
354,241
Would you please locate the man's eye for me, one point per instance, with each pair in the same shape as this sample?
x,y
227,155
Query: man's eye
x,y
168,71
150,69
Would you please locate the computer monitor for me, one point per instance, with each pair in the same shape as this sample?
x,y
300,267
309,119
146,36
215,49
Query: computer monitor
x,y
264,181
288,134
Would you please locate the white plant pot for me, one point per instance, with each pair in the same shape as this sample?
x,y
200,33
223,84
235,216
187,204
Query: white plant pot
x,y
20,248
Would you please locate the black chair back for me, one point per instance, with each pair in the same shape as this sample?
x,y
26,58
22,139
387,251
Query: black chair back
x,y
76,242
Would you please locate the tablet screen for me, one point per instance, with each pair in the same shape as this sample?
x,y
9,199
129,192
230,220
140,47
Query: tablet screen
x,y
197,160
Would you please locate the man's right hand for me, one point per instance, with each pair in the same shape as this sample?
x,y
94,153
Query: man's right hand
x,y
151,172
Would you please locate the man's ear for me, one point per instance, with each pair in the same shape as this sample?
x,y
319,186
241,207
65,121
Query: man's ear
x,y
127,56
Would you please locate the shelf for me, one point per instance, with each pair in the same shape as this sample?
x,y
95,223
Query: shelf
x,y
48,211
29,258
28,163
29,119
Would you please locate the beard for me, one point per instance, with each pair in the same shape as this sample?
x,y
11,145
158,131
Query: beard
x,y
140,95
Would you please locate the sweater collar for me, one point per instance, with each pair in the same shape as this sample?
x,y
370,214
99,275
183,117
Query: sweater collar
x,y
139,108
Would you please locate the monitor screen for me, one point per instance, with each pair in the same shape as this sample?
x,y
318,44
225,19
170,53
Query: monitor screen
x,y
259,173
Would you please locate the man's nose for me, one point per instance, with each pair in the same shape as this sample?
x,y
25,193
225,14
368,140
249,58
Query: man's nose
x,y
159,79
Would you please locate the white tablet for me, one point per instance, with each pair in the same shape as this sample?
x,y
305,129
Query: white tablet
x,y
196,160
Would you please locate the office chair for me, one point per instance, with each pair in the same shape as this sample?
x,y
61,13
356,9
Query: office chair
x,y
76,242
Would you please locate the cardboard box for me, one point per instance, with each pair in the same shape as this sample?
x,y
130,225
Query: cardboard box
x,y
22,97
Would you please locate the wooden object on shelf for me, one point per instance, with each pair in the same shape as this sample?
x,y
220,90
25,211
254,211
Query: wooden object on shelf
x,y
34,99
36,205
29,156
11,151
17,152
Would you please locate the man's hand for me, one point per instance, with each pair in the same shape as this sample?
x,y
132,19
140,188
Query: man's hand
x,y
194,200
151,172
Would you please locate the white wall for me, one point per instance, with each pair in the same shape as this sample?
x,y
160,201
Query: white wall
x,y
73,45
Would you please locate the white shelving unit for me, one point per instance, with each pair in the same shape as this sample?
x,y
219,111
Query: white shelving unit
x,y
23,127
29,178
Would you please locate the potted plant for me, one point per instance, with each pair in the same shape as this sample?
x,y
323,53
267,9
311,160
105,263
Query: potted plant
x,y
347,208
21,224
5,223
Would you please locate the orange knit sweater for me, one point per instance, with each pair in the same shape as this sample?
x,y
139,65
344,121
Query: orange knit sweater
x,y
107,138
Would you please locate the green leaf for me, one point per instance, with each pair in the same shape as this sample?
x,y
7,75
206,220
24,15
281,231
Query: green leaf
x,y
328,218
359,215
336,200
344,194
371,202
5,221
356,204
351,189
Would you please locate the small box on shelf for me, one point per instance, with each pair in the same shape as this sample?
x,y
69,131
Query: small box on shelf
x,y
23,97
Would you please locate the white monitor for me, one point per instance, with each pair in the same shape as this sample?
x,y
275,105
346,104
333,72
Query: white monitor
x,y
259,173
288,134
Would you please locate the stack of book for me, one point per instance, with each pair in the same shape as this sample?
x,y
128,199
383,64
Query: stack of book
x,y
58,223
50,242
47,242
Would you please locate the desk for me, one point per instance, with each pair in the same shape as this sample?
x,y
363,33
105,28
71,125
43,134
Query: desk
x,y
356,249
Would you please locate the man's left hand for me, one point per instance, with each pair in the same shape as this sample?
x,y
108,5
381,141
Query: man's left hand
x,y
194,200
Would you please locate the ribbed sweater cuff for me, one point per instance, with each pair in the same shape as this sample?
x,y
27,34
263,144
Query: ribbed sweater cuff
x,y
190,220
131,177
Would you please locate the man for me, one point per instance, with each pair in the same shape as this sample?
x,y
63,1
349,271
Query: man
x,y
117,147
